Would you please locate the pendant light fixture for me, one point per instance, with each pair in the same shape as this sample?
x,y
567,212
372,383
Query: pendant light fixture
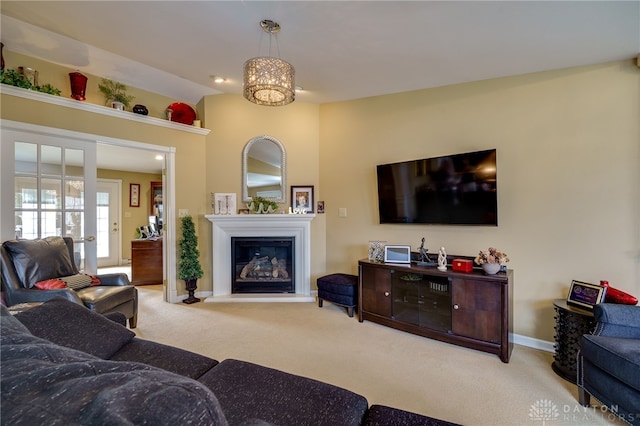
x,y
268,80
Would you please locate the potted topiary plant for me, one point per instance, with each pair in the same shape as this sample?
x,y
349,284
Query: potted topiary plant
x,y
189,268
115,93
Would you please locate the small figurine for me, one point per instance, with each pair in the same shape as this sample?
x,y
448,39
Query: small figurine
x,y
442,260
424,257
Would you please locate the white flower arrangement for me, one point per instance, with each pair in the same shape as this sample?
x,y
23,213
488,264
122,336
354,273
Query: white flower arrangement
x,y
492,255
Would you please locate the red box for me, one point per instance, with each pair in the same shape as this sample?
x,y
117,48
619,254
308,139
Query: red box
x,y
462,265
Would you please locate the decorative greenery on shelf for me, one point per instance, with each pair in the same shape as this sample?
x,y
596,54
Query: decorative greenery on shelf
x,y
14,78
115,92
188,263
257,201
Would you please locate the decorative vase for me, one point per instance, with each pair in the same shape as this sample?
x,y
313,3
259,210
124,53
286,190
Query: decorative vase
x,y
78,85
140,109
491,268
191,286
1,56
117,105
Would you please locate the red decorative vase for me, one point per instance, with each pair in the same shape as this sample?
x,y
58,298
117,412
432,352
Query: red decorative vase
x,y
78,85
1,56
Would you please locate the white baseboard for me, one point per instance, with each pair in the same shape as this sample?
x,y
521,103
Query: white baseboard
x,y
530,342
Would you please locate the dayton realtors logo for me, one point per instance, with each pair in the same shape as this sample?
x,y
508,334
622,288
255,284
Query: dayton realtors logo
x,y
544,410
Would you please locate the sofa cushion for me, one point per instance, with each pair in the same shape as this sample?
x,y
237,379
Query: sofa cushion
x,y
380,415
43,383
37,260
249,391
72,325
619,357
172,359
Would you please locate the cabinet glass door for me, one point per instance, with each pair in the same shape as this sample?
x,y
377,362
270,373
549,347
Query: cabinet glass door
x,y
422,300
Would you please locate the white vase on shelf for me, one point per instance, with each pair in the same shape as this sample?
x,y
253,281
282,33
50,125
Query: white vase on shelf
x,y
491,268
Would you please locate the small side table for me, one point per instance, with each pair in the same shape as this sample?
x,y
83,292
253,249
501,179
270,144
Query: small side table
x,y
571,324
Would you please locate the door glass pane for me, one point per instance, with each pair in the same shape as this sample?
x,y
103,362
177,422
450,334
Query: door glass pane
x,y
74,224
51,160
74,196
26,193
50,224
74,162
103,224
26,157
26,224
51,194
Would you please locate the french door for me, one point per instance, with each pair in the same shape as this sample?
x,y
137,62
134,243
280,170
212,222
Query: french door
x,y
108,221
53,182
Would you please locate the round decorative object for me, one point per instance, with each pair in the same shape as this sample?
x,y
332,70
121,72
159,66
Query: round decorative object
x,y
182,113
140,109
491,268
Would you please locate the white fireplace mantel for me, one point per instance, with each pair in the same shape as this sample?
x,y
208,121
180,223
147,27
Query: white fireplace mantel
x,y
261,225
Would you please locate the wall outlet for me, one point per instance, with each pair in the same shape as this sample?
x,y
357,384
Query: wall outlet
x,y
183,212
342,212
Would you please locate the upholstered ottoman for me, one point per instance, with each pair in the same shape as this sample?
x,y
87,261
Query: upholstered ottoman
x,y
340,289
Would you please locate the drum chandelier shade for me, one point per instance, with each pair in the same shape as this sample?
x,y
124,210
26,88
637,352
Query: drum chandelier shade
x,y
267,80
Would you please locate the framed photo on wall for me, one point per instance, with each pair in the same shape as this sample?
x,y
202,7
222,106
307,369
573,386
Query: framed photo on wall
x,y
134,195
302,198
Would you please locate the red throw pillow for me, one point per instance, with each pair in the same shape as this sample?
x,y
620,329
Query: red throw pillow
x,y
95,280
51,284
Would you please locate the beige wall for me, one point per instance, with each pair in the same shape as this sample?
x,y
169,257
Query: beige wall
x,y
568,148
234,122
568,171
132,217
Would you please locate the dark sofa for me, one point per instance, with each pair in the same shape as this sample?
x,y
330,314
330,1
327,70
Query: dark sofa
x,y
608,362
64,364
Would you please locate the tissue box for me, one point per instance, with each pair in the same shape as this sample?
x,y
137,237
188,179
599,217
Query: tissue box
x,y
462,265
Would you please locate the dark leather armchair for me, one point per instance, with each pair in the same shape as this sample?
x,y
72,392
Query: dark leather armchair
x,y
609,361
25,262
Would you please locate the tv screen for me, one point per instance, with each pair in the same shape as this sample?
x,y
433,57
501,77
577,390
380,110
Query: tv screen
x,y
458,189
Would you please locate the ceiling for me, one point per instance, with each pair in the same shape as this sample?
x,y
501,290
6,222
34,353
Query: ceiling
x,y
341,50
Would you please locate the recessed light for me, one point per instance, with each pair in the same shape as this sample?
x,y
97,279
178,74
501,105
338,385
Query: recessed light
x,y
299,89
159,157
217,79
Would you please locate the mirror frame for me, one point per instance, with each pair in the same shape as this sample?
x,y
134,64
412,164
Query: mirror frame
x,y
283,168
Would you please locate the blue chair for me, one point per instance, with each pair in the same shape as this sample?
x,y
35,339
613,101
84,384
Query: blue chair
x,y
609,361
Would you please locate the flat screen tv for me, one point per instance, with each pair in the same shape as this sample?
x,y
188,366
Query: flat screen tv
x,y
458,189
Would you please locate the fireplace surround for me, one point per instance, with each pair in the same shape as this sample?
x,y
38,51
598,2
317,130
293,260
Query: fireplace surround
x,y
224,227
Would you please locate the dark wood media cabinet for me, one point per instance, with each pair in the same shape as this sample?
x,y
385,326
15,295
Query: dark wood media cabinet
x,y
473,310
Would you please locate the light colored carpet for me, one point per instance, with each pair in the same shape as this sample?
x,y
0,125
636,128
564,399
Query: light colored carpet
x,y
386,366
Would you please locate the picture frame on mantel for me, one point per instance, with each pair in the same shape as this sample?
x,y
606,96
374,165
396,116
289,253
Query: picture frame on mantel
x,y
302,198
224,203
134,195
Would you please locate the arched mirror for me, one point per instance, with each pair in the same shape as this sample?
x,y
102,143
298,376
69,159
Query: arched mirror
x,y
264,169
